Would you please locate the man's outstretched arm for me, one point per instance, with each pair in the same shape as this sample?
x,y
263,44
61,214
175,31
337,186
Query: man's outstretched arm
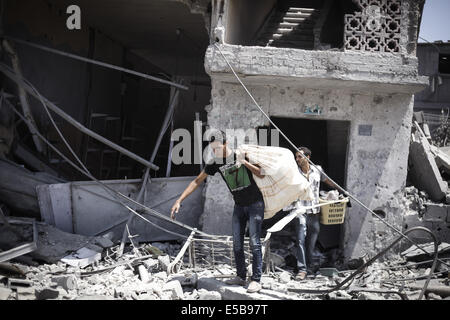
x,y
189,189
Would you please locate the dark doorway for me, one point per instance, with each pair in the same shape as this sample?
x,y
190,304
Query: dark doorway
x,y
328,141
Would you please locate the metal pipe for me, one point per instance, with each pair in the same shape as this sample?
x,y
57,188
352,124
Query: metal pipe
x,y
99,63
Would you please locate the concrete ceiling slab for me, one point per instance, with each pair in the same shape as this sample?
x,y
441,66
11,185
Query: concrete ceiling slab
x,y
146,26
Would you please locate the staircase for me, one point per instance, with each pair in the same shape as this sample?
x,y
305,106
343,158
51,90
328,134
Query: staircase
x,y
291,25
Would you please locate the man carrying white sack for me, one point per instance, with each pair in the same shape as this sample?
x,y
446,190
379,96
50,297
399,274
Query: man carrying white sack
x,y
238,174
262,180
307,226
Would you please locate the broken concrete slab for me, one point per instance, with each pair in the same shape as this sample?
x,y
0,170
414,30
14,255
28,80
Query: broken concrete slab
x,y
424,170
25,293
175,288
436,212
82,257
209,295
435,286
53,244
103,242
46,293
415,254
442,157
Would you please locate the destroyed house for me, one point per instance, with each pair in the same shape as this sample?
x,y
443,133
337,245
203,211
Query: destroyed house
x,y
336,76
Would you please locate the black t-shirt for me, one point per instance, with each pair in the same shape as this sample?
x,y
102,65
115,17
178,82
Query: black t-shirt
x,y
239,181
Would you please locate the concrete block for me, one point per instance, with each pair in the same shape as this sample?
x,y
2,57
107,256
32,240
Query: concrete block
x,y
209,295
164,262
161,275
175,288
26,293
66,282
436,212
5,293
339,295
46,293
285,277
143,273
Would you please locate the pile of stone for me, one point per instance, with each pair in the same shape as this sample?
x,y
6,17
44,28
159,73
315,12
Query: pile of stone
x,y
415,200
142,273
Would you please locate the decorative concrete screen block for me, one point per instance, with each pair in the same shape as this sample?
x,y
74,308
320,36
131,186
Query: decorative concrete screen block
x,y
376,28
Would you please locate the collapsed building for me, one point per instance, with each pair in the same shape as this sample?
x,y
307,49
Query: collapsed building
x,y
336,76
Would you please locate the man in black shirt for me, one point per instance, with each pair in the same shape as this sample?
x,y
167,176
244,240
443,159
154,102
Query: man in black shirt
x,y
249,206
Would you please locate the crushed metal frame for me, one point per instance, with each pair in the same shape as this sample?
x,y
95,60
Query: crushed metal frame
x,y
22,249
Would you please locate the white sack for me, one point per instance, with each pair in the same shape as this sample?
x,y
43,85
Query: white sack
x,y
282,182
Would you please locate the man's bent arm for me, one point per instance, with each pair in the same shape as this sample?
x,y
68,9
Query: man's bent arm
x,y
189,189
257,171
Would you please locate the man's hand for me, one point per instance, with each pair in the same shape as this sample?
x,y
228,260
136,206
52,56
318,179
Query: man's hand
x,y
176,206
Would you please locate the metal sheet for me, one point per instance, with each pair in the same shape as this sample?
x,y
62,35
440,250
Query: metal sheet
x,y
92,209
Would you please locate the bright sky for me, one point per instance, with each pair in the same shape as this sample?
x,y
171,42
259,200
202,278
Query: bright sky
x,y
435,21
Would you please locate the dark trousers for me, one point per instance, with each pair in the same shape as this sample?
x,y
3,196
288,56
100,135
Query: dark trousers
x,y
306,239
254,215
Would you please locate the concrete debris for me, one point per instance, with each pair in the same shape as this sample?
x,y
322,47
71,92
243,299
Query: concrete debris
x,y
46,294
66,282
285,277
339,295
82,257
175,288
415,254
209,295
5,293
121,279
164,262
424,170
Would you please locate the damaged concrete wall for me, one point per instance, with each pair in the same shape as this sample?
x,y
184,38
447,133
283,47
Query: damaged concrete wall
x,y
356,87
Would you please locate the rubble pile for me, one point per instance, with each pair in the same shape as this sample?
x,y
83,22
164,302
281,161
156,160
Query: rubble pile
x,y
142,273
441,136
415,200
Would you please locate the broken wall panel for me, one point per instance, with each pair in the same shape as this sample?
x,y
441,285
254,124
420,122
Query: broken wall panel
x,y
424,171
92,210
